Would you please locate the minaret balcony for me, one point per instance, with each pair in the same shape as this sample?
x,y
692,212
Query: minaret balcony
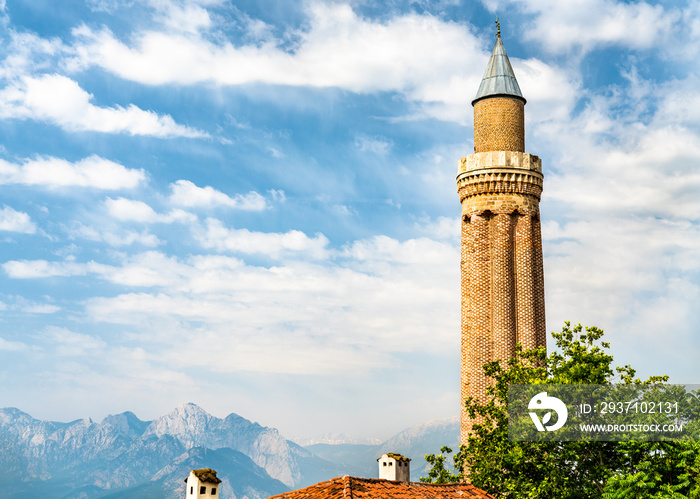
x,y
500,159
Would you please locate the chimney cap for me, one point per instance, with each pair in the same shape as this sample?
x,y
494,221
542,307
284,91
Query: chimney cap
x,y
205,475
395,455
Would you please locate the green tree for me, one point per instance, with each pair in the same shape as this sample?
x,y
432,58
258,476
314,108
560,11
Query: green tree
x,y
439,473
655,470
572,470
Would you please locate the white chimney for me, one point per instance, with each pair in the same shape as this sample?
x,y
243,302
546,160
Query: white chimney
x,y
393,466
202,483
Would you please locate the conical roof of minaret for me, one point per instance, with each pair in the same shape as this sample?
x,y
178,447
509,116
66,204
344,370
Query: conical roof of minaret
x,y
499,79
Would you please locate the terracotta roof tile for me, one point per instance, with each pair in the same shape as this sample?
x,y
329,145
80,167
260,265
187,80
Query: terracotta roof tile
x,y
350,487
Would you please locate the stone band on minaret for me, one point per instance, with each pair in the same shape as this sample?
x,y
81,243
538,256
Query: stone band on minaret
x,y
501,261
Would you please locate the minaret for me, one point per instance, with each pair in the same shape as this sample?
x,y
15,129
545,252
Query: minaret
x,y
501,264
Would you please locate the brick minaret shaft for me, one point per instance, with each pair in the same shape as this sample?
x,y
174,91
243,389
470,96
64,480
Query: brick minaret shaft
x,y
501,263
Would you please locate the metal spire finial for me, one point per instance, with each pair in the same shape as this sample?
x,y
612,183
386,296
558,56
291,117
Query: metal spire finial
x,y
499,78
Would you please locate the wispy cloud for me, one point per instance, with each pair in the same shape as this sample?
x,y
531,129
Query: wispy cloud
x,y
12,346
376,145
36,269
70,344
26,53
27,306
138,211
115,237
186,193
189,17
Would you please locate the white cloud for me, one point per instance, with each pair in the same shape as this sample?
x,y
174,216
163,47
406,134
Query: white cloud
x,y
31,307
429,60
620,217
354,310
59,100
129,238
12,346
300,318
277,195
16,221
679,101
26,52
587,24
343,210
147,269
551,91
649,173
34,269
41,308
93,172
127,209
376,145
633,276
187,16
441,229
275,153
137,211
215,235
186,193
67,343
108,6
387,249
115,237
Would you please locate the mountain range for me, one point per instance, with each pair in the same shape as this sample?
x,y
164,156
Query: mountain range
x,y
124,457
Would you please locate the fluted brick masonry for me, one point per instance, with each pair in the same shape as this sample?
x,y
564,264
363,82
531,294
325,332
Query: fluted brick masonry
x,y
501,258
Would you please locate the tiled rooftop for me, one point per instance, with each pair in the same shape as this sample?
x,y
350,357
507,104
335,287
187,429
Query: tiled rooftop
x,y
350,487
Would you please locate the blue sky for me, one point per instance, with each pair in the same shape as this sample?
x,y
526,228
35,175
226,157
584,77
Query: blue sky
x,y
251,205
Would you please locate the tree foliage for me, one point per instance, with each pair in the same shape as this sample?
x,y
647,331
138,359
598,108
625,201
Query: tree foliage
x,y
573,470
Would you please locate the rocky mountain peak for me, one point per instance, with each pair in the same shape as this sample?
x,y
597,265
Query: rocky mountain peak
x,y
12,414
127,423
187,422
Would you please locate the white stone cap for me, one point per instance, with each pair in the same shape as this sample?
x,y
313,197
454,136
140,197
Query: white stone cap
x,y
500,159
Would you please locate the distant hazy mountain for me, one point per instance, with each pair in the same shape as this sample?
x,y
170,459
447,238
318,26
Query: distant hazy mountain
x,y
124,457
426,438
336,439
88,460
414,442
241,477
